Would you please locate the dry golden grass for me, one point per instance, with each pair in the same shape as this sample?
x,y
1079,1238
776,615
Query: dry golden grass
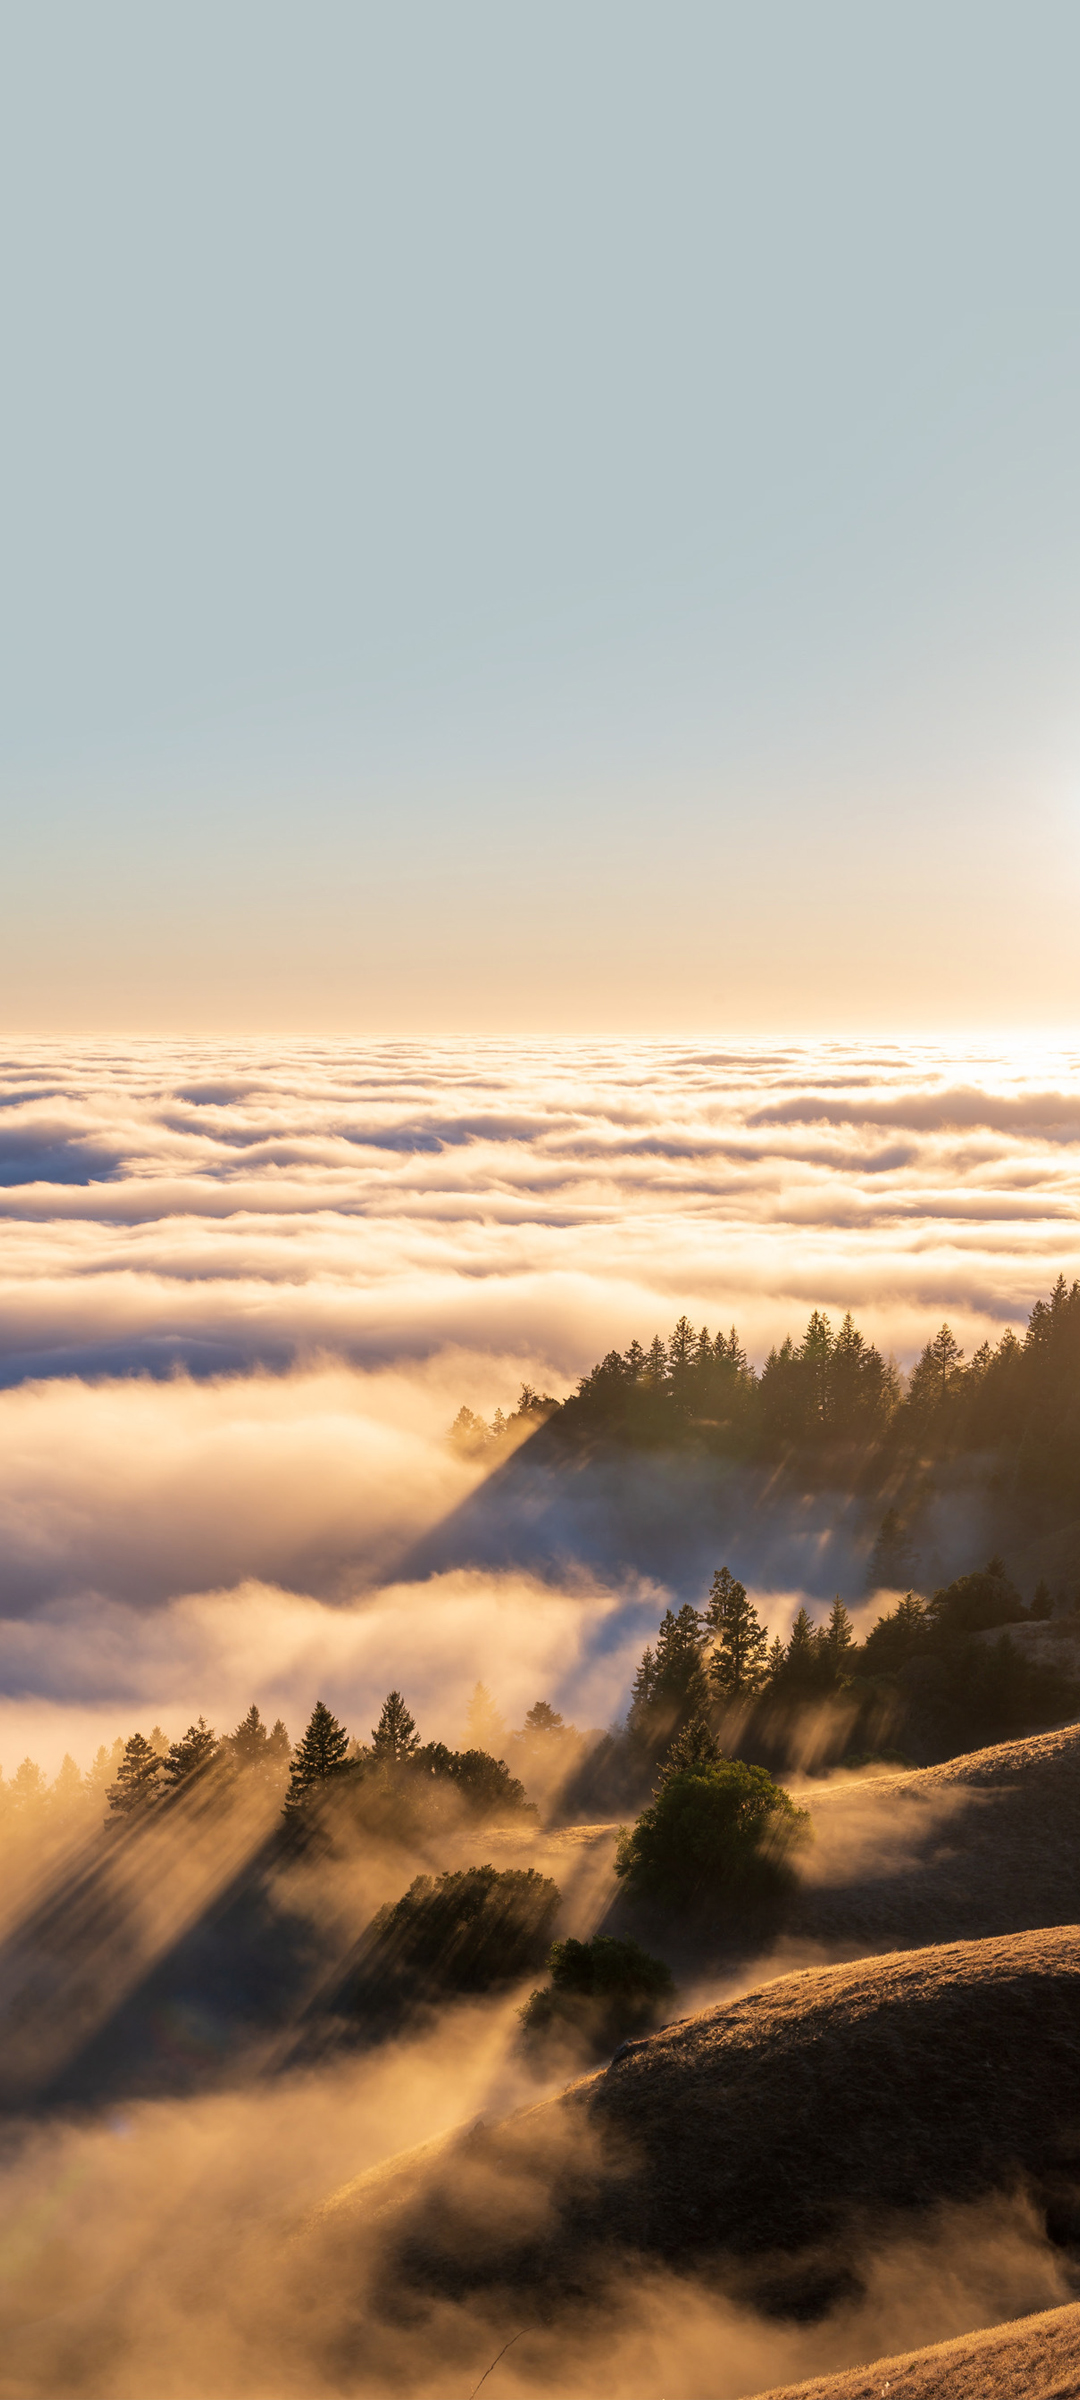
x,y
1036,2358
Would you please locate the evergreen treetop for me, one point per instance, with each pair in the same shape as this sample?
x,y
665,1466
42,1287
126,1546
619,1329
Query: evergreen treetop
x,y
395,1736
138,1779
320,1754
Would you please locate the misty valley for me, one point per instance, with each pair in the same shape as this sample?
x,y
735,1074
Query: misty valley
x,y
739,2030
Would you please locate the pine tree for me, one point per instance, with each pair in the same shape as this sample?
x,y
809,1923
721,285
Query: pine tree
x,y
815,1357
1042,1606
776,1660
542,1718
638,1714
801,1658
636,1362
137,1779
69,1790
395,1736
250,1741
27,1788
103,1771
485,1725
321,1754
737,1666
695,1746
278,1747
658,1362
680,1686
839,1632
190,1759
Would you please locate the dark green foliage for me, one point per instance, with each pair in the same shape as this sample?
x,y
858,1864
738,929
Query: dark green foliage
x,y
737,1666
819,1397
721,1834
483,1784
976,1603
395,1736
463,1932
138,1779
899,1635
671,1686
695,1746
601,1993
191,1759
412,1798
320,1755
840,1636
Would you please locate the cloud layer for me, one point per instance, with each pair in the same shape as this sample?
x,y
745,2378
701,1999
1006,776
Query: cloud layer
x,y
243,1288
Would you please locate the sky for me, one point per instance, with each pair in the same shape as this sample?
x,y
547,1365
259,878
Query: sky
x,y
539,522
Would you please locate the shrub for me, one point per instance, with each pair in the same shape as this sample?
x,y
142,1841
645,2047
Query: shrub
x,y
600,1993
462,1932
724,1831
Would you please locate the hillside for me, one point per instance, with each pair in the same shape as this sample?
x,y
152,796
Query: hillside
x,y
1038,2357
756,2137
985,1844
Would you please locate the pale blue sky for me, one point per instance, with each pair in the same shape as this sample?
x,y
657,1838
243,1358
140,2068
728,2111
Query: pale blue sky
x,y
540,518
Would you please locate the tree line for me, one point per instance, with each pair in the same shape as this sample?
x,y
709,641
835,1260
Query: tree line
x,y
714,1671
833,1389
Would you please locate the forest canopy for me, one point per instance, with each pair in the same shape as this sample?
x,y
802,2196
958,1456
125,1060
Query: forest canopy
x,y
832,1392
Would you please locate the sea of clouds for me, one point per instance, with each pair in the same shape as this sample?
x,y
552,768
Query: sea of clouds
x,y
245,1286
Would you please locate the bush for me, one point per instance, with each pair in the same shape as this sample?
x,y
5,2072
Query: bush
x,y
461,1932
601,1992
724,1831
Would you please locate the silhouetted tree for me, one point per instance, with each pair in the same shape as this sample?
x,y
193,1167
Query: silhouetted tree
x,y
737,1666
395,1736
189,1760
839,1634
320,1755
138,1779
695,1746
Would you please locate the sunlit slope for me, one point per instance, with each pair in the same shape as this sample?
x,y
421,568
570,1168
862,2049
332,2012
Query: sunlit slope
x,y
988,1843
766,2129
1038,2357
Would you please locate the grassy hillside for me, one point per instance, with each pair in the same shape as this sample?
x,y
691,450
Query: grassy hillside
x,y
1037,2357
762,2134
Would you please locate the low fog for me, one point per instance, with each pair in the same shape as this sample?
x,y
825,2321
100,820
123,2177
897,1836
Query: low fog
x,y
242,1296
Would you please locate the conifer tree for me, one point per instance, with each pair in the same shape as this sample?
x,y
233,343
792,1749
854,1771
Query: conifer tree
x,y
278,1747
250,1741
657,1362
138,1779
69,1789
321,1753
27,1788
776,1660
189,1760
485,1726
801,1653
737,1666
680,1686
695,1746
395,1736
637,1718
542,1718
839,1633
